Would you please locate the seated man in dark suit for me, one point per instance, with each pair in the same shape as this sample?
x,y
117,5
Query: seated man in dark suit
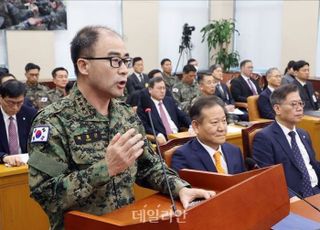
x,y
301,70
15,122
243,86
166,115
208,150
136,81
273,77
283,143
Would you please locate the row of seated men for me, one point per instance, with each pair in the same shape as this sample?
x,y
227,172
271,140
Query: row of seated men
x,y
209,120
19,104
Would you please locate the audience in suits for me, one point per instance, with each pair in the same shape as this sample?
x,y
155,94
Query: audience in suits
x,y
243,86
283,143
166,115
273,77
209,150
288,73
187,89
301,71
15,122
136,81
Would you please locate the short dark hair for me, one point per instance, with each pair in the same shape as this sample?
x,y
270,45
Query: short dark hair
x,y
244,62
201,76
31,66
3,71
205,102
191,60
82,44
299,64
280,94
164,60
136,59
12,88
289,66
154,80
55,70
153,72
189,68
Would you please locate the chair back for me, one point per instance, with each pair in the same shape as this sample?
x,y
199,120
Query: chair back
x,y
248,135
253,110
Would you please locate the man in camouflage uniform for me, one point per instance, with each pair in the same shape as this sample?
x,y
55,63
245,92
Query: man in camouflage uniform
x,y
169,80
37,93
60,79
88,150
187,89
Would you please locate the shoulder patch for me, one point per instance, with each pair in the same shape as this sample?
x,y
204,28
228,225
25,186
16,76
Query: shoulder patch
x,y
175,90
40,134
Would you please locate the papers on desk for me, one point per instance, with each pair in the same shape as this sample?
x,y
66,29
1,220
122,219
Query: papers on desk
x,y
236,111
294,221
233,129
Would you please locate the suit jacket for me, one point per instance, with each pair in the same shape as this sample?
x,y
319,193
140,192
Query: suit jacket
x,y
264,104
24,121
307,95
179,118
227,97
287,79
134,86
271,147
192,155
240,89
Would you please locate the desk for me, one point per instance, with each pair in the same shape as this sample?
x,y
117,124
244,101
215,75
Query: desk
x,y
303,209
233,137
312,126
17,209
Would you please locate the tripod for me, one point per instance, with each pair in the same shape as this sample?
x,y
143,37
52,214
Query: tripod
x,y
185,54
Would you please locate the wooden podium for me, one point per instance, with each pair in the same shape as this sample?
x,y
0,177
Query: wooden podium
x,y
252,200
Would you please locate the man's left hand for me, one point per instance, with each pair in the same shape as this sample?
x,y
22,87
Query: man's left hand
x,y
187,195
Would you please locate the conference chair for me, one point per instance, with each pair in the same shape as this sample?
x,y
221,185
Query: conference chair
x,y
248,135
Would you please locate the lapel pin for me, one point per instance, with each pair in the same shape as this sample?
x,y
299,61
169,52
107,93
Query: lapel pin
x,y
24,118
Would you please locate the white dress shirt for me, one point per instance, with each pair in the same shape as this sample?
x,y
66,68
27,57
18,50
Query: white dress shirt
x,y
6,124
304,153
211,152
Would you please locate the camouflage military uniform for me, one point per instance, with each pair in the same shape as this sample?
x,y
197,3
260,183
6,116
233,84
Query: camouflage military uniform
x,y
68,171
184,94
169,80
38,95
55,94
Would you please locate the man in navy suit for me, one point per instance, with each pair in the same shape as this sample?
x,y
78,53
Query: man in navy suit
x,y
166,115
136,81
273,77
283,143
301,71
243,86
15,122
209,151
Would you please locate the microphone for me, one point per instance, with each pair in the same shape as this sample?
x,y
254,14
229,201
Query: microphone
x,y
173,204
252,164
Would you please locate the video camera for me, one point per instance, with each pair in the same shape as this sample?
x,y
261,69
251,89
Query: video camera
x,y
187,30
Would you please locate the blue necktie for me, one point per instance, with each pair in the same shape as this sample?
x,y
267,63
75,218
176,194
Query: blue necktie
x,y
306,183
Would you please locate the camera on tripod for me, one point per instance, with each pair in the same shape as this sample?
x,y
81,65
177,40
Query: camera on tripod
x,y
187,30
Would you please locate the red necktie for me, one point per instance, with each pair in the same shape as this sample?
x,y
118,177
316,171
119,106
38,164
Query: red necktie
x,y
13,137
164,119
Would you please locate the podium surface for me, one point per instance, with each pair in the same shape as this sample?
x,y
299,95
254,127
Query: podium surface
x,y
244,201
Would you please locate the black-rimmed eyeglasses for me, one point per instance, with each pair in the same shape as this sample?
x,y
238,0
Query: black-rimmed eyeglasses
x,y
115,62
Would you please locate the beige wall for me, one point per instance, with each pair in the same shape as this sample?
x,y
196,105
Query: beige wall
x,y
221,9
299,38
141,35
30,46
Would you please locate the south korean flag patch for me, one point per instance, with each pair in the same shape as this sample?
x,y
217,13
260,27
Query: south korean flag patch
x,y
40,134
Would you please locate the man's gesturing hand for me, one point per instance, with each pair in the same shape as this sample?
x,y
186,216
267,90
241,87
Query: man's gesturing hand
x,y
123,150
